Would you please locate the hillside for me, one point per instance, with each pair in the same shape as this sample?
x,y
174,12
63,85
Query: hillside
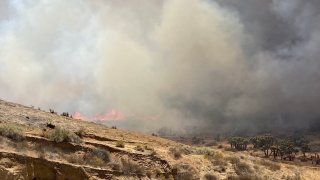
x,y
36,144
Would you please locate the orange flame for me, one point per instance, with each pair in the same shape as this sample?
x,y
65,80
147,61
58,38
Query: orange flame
x,y
114,114
78,115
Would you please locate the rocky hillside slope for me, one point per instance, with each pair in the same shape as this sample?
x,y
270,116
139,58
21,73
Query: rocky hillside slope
x,y
36,144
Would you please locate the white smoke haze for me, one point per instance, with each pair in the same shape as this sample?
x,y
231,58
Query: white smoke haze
x,y
220,65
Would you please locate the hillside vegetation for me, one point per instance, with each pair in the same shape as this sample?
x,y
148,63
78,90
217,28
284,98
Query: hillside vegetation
x,y
36,144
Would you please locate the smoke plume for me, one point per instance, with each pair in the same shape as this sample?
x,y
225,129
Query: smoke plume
x,y
219,65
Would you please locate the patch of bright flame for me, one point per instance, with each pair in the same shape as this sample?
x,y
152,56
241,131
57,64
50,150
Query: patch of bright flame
x,y
114,114
111,115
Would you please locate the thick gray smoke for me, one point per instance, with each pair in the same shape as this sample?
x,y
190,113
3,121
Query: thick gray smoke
x,y
219,65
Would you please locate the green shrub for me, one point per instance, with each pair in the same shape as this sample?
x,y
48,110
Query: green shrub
x,y
210,153
63,135
12,132
120,144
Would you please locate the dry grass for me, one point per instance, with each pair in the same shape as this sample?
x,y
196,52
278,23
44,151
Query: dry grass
x,y
210,177
115,165
97,157
184,171
120,144
176,152
270,165
81,132
233,159
76,158
139,148
132,168
242,168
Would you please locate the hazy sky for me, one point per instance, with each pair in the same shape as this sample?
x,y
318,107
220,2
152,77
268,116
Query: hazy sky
x,y
221,65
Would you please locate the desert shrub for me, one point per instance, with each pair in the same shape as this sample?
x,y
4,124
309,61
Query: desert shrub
x,y
12,132
148,148
210,177
66,114
50,125
219,162
52,111
96,161
132,168
270,165
63,135
233,159
220,168
75,158
209,153
98,157
183,172
176,152
205,151
296,176
116,166
153,152
20,146
81,132
139,148
242,168
120,144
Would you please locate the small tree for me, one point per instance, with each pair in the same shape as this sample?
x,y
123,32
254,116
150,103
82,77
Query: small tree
x,y
263,142
238,143
286,149
305,148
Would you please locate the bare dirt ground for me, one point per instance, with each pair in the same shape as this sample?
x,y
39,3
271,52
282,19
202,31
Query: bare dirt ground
x,y
38,157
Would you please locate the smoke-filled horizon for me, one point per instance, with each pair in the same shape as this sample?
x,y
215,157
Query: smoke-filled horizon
x,y
219,65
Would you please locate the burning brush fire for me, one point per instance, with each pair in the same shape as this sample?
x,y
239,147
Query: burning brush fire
x,y
114,114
